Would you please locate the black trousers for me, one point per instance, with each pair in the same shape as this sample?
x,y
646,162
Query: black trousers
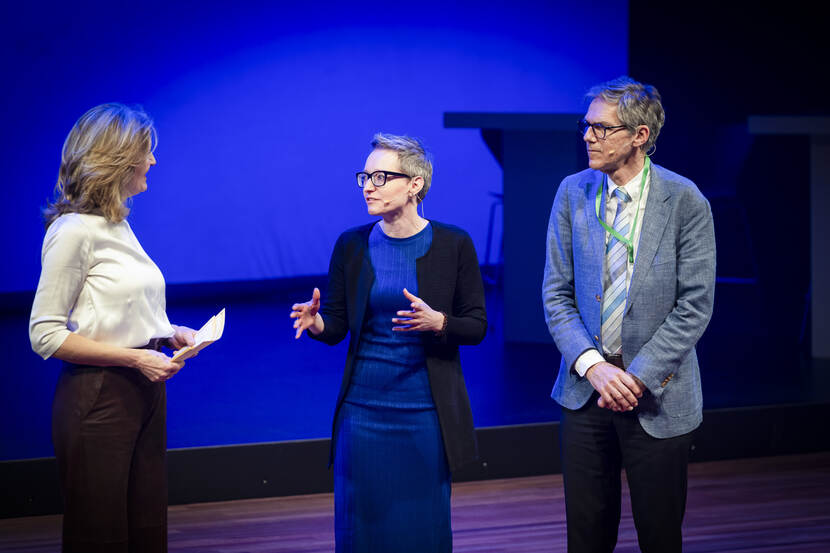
x,y
108,429
596,444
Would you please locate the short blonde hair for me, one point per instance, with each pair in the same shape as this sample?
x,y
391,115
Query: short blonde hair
x,y
98,161
412,154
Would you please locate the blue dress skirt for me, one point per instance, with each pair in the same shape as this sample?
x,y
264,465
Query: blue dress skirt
x,y
391,482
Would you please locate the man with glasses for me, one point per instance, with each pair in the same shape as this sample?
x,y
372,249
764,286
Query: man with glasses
x,y
628,291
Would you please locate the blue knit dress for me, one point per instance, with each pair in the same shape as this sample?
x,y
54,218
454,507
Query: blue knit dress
x,y
391,479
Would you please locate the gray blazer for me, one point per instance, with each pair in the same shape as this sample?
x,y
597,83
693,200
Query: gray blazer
x,y
669,302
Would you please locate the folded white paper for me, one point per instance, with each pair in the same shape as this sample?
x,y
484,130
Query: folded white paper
x,y
209,333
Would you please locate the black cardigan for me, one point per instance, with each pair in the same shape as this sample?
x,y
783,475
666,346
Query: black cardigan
x,y
449,280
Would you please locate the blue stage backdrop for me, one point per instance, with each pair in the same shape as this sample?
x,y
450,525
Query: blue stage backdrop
x,y
264,111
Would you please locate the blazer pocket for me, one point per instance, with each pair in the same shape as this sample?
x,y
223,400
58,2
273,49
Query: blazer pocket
x,y
678,401
666,253
663,263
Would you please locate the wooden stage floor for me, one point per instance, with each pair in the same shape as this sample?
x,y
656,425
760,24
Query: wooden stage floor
x,y
771,504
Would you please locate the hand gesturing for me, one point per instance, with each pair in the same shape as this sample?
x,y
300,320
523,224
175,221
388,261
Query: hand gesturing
x,y
421,318
307,316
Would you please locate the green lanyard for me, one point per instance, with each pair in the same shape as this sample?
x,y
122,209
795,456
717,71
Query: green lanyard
x,y
627,242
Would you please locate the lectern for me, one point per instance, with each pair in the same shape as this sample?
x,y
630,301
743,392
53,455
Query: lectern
x,y
535,151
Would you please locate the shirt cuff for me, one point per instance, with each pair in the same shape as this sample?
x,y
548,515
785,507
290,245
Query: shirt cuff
x,y
588,359
47,344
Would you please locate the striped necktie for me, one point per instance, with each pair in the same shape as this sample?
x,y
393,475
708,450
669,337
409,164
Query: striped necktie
x,y
616,257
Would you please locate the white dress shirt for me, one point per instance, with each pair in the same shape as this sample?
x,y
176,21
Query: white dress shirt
x,y
97,281
592,356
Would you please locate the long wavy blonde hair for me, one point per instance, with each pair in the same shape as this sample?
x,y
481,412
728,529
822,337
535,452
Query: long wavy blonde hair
x,y
98,162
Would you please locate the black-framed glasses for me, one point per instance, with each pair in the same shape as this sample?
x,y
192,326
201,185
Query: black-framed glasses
x,y
599,129
379,178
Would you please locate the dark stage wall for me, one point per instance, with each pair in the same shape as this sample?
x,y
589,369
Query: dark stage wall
x,y
716,64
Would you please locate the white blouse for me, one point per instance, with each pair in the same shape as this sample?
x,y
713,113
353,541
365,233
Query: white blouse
x,y
97,281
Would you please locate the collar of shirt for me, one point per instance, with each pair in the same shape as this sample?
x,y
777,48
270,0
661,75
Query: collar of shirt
x,y
632,187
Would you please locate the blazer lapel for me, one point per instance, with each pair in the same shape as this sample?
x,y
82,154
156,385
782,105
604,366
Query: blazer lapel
x,y
654,223
596,233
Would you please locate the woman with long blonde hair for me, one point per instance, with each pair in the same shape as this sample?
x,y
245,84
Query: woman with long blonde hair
x,y
100,307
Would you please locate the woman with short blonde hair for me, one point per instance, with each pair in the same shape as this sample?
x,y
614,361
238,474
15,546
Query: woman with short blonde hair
x,y
408,292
